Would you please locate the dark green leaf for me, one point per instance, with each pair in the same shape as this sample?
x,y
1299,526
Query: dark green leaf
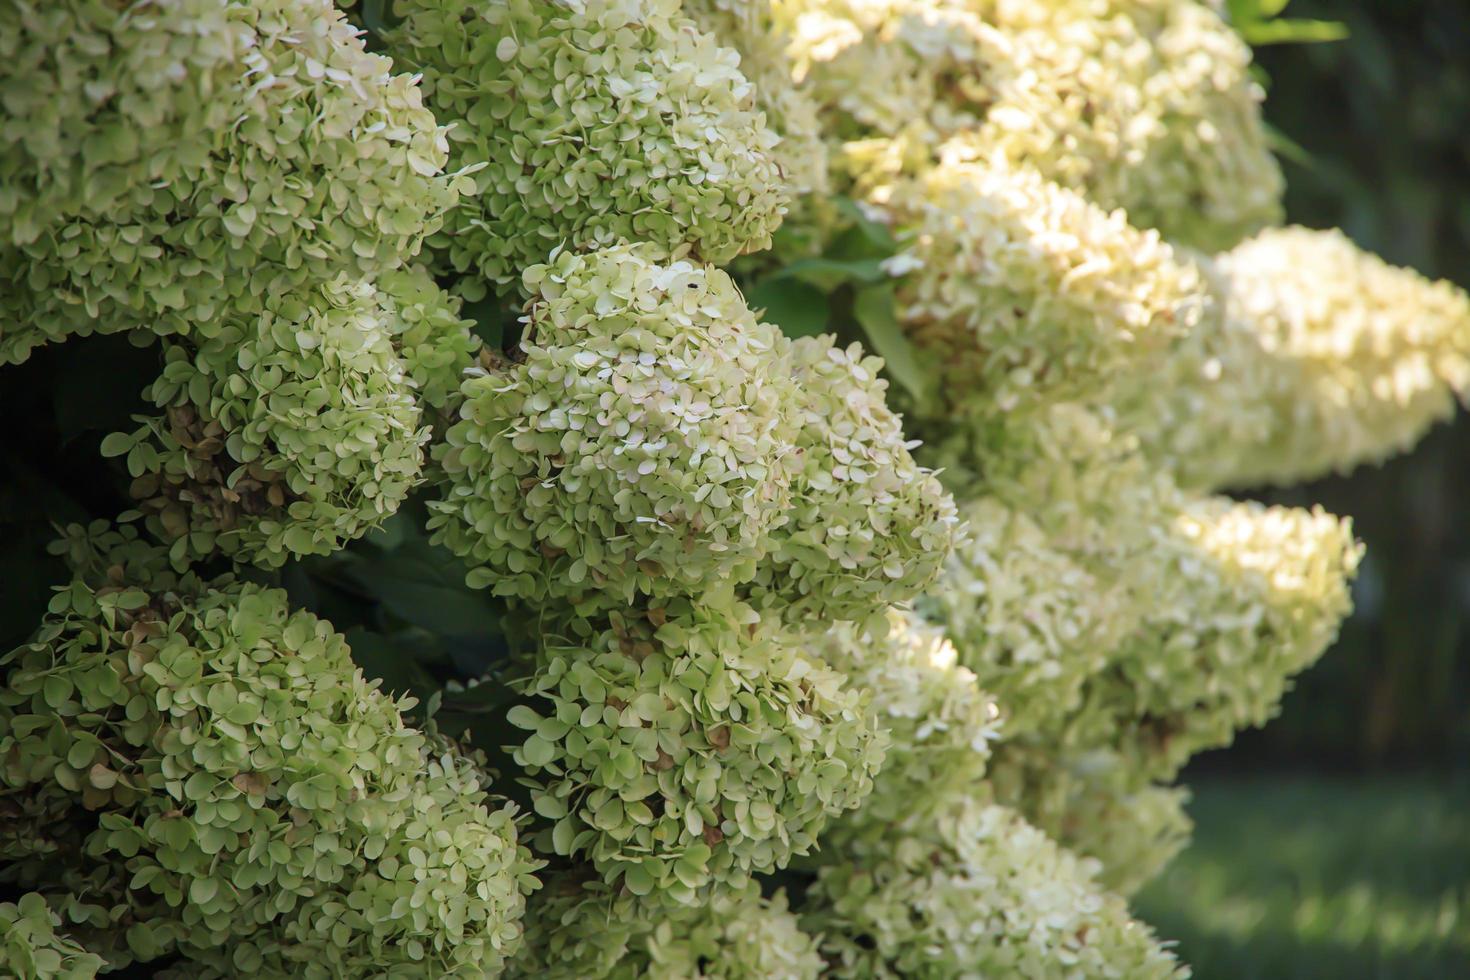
x,y
798,308
875,312
827,274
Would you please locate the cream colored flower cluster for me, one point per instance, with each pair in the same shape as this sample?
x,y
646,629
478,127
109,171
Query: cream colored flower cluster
x,y
1325,358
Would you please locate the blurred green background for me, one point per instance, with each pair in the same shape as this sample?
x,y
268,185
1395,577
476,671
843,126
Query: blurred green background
x,y
1336,841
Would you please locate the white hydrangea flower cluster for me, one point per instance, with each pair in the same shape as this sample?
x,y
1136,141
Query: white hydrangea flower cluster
x,y
1171,620
1142,105
751,28
1026,292
976,891
1097,807
1326,358
940,723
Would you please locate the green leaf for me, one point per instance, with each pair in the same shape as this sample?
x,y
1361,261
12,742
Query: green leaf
x,y
798,308
875,312
537,751
1287,31
382,659
827,273
415,591
550,807
865,236
561,836
523,717
117,444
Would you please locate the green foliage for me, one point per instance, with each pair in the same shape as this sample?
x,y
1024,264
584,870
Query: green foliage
x,y
1295,877
1260,22
32,949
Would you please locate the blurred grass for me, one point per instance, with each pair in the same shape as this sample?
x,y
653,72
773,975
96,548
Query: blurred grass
x,y
1312,877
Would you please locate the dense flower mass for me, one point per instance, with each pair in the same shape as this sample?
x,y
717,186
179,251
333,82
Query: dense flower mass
x,y
637,447
1145,105
1026,292
287,432
654,439
645,130
865,525
698,753
1097,807
1030,621
738,633
752,29
1326,357
166,161
973,891
253,789
574,932
1142,105
940,723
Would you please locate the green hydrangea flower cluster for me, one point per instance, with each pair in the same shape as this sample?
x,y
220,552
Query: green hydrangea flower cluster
x,y
751,28
1326,357
260,805
645,131
31,948
636,447
656,439
866,526
576,930
1025,616
975,891
940,723
1098,807
166,162
434,341
287,432
702,751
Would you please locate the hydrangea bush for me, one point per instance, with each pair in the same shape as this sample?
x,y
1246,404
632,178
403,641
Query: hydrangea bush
x,y
628,488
